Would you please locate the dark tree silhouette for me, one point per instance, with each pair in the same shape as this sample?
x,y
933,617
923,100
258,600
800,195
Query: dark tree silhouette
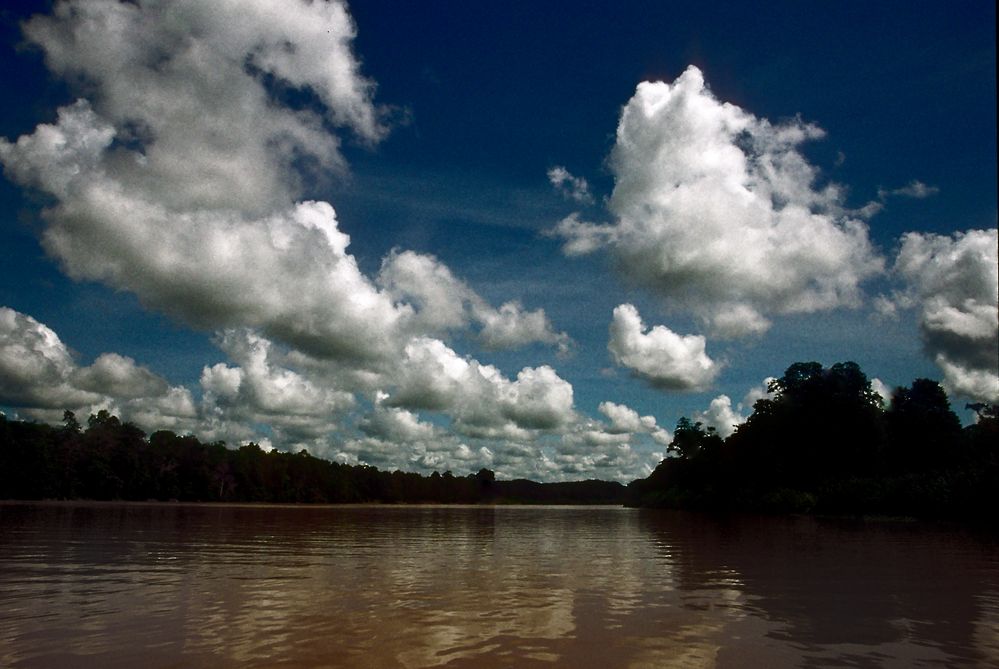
x,y
112,460
824,442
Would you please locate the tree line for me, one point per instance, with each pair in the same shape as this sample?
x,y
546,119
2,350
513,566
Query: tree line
x,y
114,460
824,442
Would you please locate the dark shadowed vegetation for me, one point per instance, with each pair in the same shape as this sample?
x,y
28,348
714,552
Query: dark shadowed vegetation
x,y
823,442
111,460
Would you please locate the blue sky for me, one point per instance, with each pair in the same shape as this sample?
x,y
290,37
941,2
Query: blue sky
x,y
548,264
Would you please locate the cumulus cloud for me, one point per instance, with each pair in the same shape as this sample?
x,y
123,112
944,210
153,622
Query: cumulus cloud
x,y
620,451
445,452
193,85
511,326
525,426
39,376
624,419
759,392
397,438
582,237
119,376
717,211
177,177
721,416
36,368
954,281
396,425
441,302
288,273
660,356
724,417
259,389
571,187
175,409
478,398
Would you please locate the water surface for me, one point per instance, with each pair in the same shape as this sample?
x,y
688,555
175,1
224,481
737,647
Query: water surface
x,y
167,585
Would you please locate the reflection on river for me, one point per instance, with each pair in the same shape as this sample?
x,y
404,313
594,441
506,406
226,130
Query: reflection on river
x,y
104,585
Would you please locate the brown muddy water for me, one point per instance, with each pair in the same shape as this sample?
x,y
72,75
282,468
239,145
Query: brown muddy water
x,y
168,585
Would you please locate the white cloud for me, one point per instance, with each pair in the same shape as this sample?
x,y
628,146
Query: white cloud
x,y
914,189
176,178
260,390
526,426
438,297
882,389
173,410
441,302
36,368
287,273
582,237
187,81
511,327
479,399
625,419
955,282
538,399
119,376
721,416
717,211
395,424
661,357
571,187
442,453
759,392
591,452
39,376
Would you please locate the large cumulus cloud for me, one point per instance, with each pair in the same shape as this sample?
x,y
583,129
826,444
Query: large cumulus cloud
x,y
436,410
178,176
717,211
189,84
954,282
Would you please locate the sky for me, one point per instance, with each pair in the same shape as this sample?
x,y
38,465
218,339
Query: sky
x,y
522,236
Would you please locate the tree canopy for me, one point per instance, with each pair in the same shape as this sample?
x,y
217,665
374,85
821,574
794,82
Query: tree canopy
x,y
112,460
824,441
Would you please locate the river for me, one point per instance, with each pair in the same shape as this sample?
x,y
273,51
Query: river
x,y
172,585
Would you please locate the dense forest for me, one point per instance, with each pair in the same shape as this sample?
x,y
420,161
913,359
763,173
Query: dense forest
x,y
112,460
824,442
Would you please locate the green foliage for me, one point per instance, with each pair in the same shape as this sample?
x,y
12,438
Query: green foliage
x,y
824,443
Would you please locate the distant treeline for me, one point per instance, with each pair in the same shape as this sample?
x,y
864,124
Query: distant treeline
x,y
111,460
824,443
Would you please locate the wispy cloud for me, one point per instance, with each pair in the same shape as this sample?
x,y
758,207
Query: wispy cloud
x,y
571,187
914,189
